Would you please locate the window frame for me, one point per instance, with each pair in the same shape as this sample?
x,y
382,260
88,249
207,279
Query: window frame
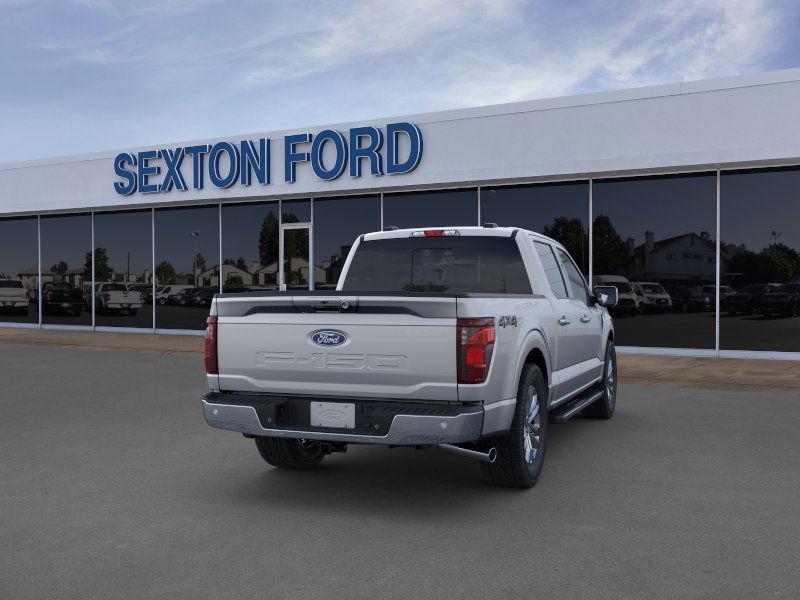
x,y
588,292
551,247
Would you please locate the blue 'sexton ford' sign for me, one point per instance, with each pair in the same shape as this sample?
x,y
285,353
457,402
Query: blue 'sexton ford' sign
x,y
226,163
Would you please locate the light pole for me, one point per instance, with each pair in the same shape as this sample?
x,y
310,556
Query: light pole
x,y
195,235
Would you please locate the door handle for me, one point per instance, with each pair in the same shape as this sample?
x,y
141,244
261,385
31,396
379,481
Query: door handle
x,y
563,321
586,319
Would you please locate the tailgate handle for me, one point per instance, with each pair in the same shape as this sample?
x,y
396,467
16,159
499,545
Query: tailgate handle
x,y
333,303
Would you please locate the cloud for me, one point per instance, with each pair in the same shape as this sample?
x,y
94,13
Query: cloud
x,y
198,68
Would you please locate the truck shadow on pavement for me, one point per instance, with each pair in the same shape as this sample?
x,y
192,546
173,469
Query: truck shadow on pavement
x,y
398,481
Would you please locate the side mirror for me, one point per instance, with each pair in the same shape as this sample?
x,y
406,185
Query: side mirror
x,y
606,295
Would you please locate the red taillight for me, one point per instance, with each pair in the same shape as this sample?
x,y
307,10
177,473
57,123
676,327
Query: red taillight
x,y
49,296
434,232
475,340
212,366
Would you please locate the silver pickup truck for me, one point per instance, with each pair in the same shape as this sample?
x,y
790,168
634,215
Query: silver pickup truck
x,y
470,339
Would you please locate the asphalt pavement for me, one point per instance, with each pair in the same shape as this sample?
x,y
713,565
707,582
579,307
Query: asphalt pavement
x,y
112,486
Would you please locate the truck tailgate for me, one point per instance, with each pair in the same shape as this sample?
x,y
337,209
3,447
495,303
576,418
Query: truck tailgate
x,y
384,347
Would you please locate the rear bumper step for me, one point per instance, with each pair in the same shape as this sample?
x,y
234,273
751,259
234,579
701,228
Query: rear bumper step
x,y
377,422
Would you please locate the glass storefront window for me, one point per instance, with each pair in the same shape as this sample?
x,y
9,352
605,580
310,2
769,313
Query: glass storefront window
x,y
337,224
67,269
123,266
654,239
557,210
187,269
760,260
296,211
431,209
249,247
19,270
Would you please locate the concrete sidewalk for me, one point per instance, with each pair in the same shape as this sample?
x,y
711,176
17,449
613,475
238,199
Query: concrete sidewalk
x,y
770,376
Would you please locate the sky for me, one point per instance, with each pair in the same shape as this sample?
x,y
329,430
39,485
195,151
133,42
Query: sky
x,y
88,75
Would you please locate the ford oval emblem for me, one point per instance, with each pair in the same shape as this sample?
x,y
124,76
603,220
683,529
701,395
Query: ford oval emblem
x,y
329,337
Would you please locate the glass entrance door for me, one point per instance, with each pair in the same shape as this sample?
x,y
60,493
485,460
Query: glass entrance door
x,y
295,247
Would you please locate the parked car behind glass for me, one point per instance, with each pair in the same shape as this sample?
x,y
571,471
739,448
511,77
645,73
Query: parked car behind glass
x,y
61,297
784,301
691,299
747,301
652,297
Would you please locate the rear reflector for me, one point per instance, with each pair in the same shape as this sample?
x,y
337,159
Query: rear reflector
x,y
475,342
212,365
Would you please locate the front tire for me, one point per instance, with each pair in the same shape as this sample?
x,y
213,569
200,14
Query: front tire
x,y
298,455
520,451
603,407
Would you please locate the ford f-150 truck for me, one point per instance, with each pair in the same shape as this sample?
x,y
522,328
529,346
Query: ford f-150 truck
x,y
13,296
470,339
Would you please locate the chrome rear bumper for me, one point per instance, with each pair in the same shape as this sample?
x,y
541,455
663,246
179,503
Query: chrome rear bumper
x,y
405,429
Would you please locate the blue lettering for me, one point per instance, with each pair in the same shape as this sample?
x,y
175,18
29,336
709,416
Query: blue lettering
x,y
291,158
146,171
213,164
318,147
125,189
173,176
393,132
253,161
197,153
371,151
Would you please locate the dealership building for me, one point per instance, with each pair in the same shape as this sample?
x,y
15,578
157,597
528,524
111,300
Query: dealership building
x,y
686,196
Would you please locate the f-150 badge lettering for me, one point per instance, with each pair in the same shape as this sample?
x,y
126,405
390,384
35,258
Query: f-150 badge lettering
x,y
329,337
508,321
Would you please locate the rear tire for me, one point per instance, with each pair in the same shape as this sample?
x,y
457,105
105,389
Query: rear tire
x,y
289,454
520,451
603,407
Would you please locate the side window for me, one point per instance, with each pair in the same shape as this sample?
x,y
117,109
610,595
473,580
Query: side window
x,y
551,270
576,283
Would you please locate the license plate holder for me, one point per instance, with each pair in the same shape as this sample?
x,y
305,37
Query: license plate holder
x,y
339,415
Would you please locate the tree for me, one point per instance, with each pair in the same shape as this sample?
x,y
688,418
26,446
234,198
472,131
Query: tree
x,y
777,263
573,236
241,263
60,268
268,241
165,273
102,271
610,250
199,262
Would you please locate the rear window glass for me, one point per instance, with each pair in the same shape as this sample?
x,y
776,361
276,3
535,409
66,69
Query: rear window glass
x,y
114,287
490,265
5,283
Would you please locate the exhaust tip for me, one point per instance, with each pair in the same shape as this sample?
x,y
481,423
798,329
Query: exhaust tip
x,y
492,454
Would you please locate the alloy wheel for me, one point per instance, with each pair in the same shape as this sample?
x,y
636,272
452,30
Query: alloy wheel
x,y
533,427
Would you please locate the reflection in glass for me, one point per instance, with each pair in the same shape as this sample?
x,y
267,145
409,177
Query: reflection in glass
x,y
19,270
557,210
431,209
295,258
337,224
760,260
249,247
187,257
296,211
67,269
653,239
123,267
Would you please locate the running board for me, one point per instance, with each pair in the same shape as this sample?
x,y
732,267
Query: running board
x,y
566,411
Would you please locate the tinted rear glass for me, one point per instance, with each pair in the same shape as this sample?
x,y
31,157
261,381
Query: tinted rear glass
x,y
10,284
490,265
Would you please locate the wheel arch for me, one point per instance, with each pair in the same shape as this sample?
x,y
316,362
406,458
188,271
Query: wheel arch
x,y
535,350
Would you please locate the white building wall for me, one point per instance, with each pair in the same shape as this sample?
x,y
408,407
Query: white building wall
x,y
730,122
